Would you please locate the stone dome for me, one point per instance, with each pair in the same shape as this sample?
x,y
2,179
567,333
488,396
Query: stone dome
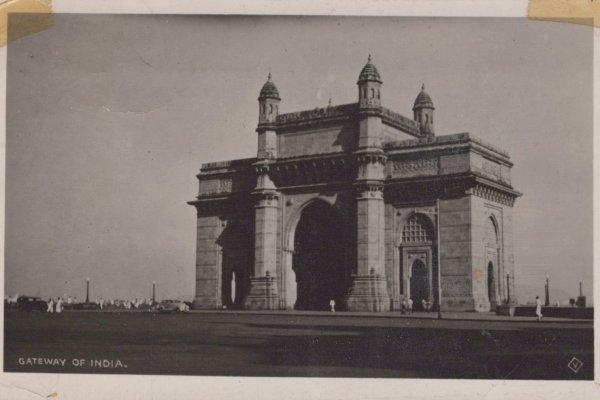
x,y
423,100
369,72
269,90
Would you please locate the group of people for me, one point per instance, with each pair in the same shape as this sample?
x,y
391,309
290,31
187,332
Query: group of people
x,y
57,306
60,303
407,305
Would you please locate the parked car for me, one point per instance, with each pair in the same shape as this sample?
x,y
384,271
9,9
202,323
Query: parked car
x,y
31,303
169,306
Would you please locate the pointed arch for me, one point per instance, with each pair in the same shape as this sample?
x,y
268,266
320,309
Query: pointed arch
x,y
292,223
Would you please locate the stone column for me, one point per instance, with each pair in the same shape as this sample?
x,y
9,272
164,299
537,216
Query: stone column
x,y
369,287
263,294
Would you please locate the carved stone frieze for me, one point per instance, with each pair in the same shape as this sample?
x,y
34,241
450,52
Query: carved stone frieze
x,y
371,158
418,167
493,194
313,171
369,190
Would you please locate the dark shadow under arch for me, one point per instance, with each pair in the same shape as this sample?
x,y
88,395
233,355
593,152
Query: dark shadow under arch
x,y
319,258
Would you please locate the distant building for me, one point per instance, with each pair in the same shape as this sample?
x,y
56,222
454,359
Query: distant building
x,y
340,203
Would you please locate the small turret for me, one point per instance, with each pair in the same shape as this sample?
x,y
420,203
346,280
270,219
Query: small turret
x,y
369,86
423,112
268,109
268,101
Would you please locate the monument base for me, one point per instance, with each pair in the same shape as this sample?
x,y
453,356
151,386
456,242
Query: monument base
x,y
263,294
368,293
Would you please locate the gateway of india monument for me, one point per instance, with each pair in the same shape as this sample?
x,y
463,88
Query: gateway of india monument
x,y
358,204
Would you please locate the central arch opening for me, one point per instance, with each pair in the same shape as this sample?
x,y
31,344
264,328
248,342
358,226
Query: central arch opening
x,y
318,260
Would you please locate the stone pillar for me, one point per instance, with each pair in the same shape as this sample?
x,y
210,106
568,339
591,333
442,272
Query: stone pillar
x,y
369,286
263,294
208,263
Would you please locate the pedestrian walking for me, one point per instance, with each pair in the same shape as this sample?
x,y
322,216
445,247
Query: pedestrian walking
x,y
410,305
50,305
403,306
538,308
332,305
59,305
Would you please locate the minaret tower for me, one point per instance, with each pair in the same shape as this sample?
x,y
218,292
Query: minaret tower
x,y
263,293
369,288
268,108
369,104
423,112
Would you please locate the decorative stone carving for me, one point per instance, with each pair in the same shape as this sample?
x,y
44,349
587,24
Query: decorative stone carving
x,y
225,185
371,158
369,190
420,167
493,194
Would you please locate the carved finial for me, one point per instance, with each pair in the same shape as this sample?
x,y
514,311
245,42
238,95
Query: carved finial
x,y
269,77
369,59
422,86
329,103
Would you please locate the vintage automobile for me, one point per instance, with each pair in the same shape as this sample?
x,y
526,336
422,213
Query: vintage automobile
x,y
172,306
31,303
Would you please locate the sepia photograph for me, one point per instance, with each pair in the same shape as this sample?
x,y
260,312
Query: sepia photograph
x,y
299,196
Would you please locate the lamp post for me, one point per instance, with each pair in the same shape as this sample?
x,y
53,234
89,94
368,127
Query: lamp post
x,y
439,264
547,302
87,290
508,288
153,292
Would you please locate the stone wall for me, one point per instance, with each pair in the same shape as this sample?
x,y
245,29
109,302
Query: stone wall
x,y
208,263
318,140
483,212
455,245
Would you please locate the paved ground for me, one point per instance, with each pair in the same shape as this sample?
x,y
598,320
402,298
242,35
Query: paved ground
x,y
462,345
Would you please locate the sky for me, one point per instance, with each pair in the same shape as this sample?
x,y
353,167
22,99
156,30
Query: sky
x,y
110,117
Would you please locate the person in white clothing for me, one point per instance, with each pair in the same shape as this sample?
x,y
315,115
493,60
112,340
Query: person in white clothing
x,y
538,308
59,305
50,305
332,305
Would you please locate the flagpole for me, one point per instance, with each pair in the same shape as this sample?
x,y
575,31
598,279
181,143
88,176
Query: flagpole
x,y
439,266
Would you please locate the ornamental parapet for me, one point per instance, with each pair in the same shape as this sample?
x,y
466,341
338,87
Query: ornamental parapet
x,y
464,138
317,114
226,167
401,122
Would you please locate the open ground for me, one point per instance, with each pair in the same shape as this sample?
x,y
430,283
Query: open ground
x,y
303,344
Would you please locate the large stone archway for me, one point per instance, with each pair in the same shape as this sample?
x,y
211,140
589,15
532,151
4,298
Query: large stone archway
x,y
318,260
